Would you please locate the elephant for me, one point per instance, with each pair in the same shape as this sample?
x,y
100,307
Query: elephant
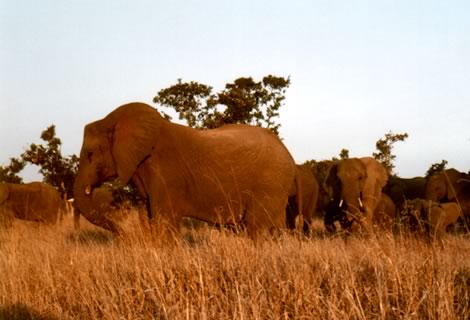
x,y
428,217
450,185
399,189
310,191
385,213
233,174
354,187
34,201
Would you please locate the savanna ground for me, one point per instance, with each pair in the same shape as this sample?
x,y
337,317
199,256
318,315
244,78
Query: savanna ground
x,y
58,273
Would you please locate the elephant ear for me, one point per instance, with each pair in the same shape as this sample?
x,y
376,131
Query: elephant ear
x,y
377,178
375,172
133,136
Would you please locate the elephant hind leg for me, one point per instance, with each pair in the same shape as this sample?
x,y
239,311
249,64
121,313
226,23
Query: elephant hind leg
x,y
265,215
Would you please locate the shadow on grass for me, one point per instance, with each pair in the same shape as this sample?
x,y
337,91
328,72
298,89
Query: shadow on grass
x,y
21,311
91,237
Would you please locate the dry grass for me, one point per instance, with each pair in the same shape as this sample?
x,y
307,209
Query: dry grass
x,y
57,273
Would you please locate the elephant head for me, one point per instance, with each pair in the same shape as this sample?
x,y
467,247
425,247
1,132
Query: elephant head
x,y
448,185
113,147
355,186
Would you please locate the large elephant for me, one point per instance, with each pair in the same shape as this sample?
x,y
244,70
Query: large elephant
x,y
450,185
310,190
233,174
399,189
35,201
355,188
428,217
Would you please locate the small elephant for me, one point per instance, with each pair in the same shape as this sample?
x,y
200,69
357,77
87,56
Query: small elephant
x,y
35,201
229,175
310,190
355,188
428,217
450,185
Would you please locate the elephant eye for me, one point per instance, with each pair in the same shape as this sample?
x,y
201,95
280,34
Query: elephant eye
x,y
90,156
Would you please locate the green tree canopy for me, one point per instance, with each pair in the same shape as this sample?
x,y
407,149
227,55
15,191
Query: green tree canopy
x,y
436,167
243,101
385,148
57,170
9,173
320,168
344,154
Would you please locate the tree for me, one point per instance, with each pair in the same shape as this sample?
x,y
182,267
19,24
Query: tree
x,y
243,101
344,154
9,173
385,147
436,167
57,170
191,100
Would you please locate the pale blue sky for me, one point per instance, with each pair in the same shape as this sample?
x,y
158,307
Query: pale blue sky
x,y
358,68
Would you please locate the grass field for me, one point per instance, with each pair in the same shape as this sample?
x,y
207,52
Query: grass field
x,y
59,273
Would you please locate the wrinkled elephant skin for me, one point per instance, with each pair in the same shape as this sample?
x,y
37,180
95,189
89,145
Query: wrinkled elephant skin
x,y
233,174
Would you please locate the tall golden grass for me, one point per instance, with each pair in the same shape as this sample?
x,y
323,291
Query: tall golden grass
x,y
58,273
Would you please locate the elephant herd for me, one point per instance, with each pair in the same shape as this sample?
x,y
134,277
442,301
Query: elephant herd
x,y
360,195
236,175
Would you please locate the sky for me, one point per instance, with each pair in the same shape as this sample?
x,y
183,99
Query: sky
x,y
358,69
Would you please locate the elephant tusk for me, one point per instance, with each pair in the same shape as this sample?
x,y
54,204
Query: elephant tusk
x,y
340,203
360,203
88,190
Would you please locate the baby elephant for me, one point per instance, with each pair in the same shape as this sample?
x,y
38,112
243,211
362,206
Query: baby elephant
x,y
431,217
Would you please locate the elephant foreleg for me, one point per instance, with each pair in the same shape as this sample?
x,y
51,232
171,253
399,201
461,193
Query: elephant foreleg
x,y
164,222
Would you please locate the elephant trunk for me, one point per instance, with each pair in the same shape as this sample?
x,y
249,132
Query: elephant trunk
x,y
83,195
354,205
